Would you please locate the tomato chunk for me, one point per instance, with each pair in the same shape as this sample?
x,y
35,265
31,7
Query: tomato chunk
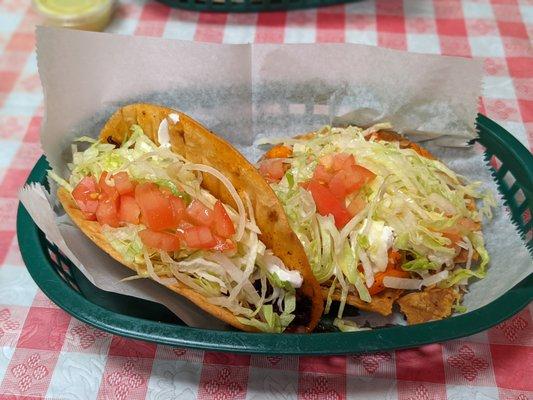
x,y
156,210
337,185
107,211
128,210
110,191
222,224
359,174
341,174
322,175
327,203
123,183
199,213
199,237
272,169
86,196
85,189
178,209
342,161
160,240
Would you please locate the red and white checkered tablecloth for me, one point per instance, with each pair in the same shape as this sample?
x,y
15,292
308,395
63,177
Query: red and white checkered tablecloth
x,y
44,353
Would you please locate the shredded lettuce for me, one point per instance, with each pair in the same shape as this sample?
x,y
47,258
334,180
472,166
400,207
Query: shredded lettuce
x,y
420,264
126,241
273,322
168,184
416,198
346,325
458,308
277,282
226,279
462,275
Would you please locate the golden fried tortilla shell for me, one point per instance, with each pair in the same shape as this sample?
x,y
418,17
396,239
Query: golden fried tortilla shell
x,y
198,145
428,305
381,303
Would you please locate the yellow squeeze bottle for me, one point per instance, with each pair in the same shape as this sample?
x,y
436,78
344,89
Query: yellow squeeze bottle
x,y
89,15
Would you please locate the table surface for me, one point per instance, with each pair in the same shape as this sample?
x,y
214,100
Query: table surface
x,y
44,353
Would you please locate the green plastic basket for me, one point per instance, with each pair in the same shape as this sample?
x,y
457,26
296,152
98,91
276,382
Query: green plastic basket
x,y
61,281
249,5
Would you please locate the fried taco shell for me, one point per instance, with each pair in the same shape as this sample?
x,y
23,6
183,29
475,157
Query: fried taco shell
x,y
429,304
197,144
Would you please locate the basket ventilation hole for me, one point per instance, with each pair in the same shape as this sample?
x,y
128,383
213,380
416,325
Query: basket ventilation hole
x,y
495,163
519,197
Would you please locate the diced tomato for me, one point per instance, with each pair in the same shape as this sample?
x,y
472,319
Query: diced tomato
x,y
128,210
123,183
342,161
166,191
178,208
327,203
272,169
223,244
180,231
160,240
321,174
110,191
356,205
86,196
184,225
353,180
222,224
199,237
156,210
361,173
85,190
378,286
341,175
91,206
199,214
279,151
337,185
350,180
107,211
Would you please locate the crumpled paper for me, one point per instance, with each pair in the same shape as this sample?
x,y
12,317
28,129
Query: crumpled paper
x,y
248,92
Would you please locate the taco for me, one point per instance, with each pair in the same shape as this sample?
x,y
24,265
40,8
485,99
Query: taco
x,y
381,219
175,203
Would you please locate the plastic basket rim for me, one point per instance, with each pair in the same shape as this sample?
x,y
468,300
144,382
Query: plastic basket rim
x,y
249,6
397,337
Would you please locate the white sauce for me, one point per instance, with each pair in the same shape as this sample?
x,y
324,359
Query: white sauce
x,y
293,277
163,136
380,238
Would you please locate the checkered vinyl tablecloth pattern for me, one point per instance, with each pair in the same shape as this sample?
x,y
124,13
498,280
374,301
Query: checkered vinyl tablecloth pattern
x,y
44,353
